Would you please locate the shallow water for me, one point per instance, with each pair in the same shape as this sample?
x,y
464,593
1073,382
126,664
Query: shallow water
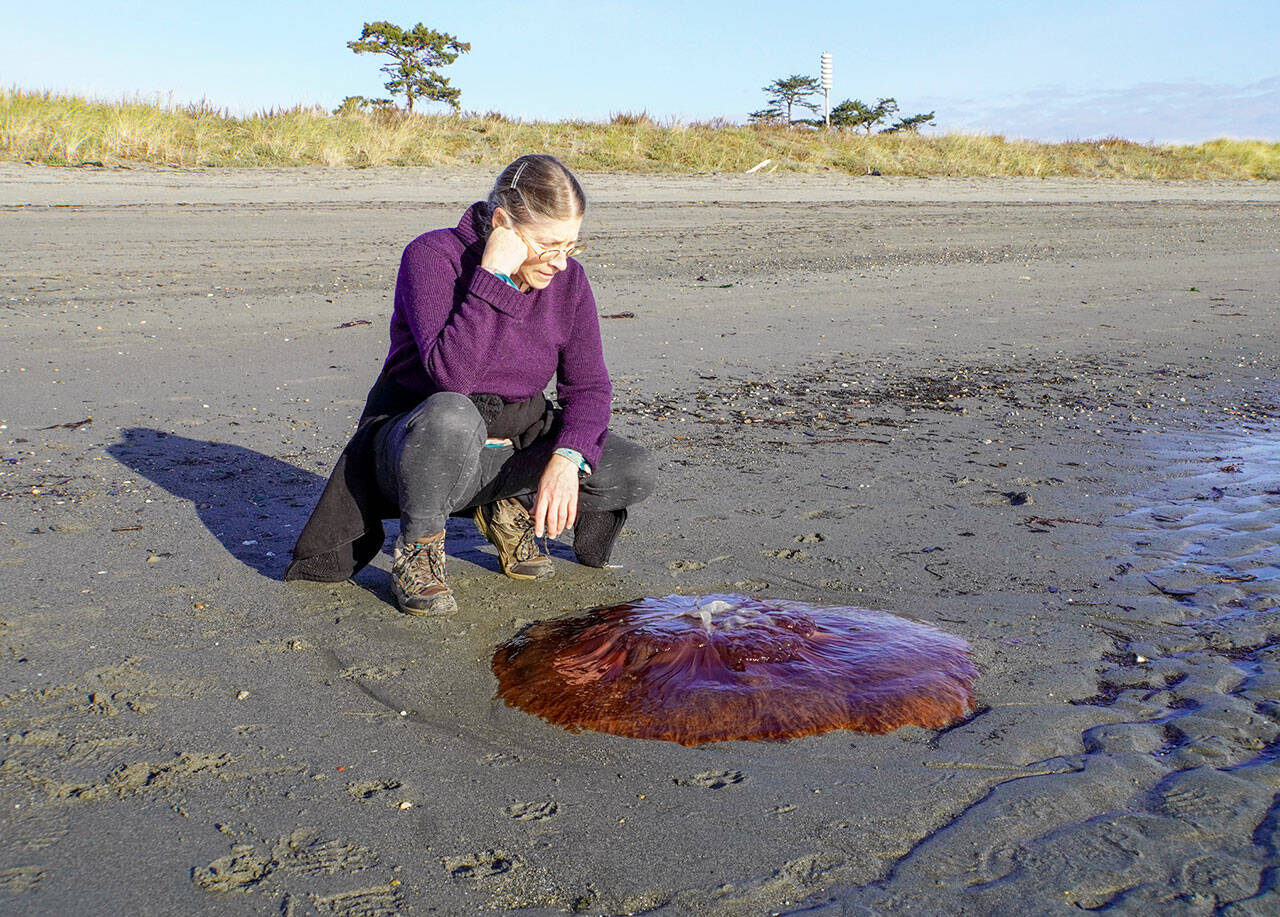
x,y
1208,535
1202,658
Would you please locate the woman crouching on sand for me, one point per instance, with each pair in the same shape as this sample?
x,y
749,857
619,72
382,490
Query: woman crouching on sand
x,y
485,314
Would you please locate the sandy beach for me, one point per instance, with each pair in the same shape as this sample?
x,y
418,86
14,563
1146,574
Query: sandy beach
x,y
1042,415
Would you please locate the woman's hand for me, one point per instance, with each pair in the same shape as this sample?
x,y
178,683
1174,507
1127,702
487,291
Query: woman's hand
x,y
556,507
504,252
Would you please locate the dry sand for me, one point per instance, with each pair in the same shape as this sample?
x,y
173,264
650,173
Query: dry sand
x,y
1039,414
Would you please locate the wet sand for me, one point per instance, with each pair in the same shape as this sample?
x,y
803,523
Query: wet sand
x,y
1042,416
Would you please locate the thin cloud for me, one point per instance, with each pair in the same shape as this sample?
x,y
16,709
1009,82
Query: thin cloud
x,y
1183,112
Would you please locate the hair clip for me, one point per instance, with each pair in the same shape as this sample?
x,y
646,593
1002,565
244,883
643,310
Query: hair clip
x,y
515,178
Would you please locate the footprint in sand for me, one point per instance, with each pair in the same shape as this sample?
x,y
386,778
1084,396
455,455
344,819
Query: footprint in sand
x,y
684,566
532,811
305,853
500,759
20,879
831,513
243,868
1009,498
482,865
366,790
787,554
712,780
370,672
380,899
811,538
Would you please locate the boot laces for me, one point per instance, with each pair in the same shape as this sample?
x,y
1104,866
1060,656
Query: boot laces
x,y
421,566
526,544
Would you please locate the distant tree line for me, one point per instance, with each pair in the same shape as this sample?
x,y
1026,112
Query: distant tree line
x,y
788,93
417,54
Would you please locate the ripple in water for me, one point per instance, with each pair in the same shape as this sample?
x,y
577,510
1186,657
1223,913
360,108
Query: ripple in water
x,y
1210,538
712,668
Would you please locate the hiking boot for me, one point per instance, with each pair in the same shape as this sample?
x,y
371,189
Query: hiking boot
x,y
508,526
417,577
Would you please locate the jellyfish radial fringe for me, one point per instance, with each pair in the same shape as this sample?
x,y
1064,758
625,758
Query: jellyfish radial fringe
x,y
713,668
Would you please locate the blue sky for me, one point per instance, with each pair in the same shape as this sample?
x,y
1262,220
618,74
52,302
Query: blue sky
x,y
1150,71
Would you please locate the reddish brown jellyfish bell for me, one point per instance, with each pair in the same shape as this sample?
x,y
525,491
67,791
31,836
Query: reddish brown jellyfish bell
x,y
712,668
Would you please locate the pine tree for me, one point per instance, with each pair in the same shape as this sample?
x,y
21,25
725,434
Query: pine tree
x,y
415,54
794,90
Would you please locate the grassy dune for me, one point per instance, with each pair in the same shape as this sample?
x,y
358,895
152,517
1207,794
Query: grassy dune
x,y
64,130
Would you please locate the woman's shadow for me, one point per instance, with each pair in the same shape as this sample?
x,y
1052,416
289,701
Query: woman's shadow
x,y
254,504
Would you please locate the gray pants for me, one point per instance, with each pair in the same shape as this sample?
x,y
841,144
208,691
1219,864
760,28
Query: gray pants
x,y
432,462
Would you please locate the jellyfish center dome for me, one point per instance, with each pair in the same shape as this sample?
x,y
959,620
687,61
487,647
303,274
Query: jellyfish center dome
x,y
715,613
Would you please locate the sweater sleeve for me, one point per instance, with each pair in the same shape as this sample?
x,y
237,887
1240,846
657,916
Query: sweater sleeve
x,y
454,340
583,388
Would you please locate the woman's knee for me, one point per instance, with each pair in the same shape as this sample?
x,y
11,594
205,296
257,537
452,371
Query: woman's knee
x,y
445,417
627,470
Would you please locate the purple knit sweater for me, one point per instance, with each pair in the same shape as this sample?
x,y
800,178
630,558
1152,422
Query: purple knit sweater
x,y
457,328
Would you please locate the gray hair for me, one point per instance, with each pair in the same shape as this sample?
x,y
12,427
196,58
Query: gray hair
x,y
538,186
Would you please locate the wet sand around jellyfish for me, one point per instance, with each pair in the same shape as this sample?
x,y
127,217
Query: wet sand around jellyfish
x,y
720,667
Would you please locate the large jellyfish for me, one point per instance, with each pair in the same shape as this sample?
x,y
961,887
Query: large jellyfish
x,y
695,669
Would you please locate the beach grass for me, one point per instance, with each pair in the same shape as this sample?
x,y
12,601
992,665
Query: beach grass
x,y
50,128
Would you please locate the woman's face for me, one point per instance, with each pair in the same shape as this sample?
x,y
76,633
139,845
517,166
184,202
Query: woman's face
x,y
542,236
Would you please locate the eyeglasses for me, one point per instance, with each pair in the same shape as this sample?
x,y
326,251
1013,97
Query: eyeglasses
x,y
547,255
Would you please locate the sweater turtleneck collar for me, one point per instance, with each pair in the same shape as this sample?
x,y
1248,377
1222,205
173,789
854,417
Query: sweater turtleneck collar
x,y
475,223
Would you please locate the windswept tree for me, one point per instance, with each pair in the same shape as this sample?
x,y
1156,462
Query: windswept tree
x,y
766,116
854,114
786,93
415,55
354,104
850,113
910,125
